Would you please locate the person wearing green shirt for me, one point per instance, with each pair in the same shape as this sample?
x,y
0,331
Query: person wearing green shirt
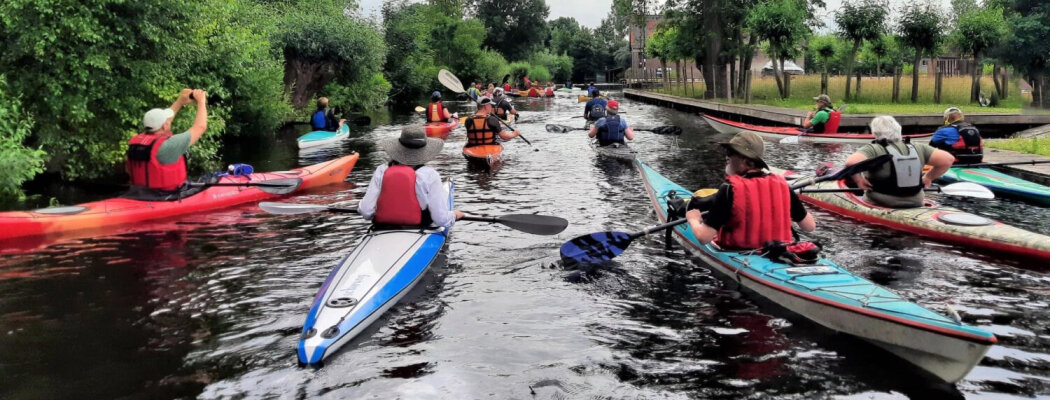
x,y
900,182
815,120
156,157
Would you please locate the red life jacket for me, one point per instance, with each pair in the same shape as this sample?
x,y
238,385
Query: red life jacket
x,y
398,204
761,213
506,87
436,112
834,119
144,168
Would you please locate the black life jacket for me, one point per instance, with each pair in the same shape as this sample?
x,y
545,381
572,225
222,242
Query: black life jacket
x,y
969,149
611,132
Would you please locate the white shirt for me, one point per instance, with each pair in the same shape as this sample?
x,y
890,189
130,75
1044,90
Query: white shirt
x,y
430,193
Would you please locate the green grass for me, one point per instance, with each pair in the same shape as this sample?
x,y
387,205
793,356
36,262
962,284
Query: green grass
x,y
1040,146
875,96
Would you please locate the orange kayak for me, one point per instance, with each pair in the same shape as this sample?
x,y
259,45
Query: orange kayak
x,y
26,229
485,155
441,130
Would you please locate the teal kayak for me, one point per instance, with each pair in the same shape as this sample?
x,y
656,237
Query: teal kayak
x,y
1000,183
830,295
321,138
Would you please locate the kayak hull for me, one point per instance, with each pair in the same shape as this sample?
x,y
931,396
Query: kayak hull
x,y
582,98
837,299
1000,183
383,267
616,151
485,155
780,132
41,226
323,138
928,222
441,130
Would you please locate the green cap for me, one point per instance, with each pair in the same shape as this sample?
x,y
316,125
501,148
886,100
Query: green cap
x,y
749,145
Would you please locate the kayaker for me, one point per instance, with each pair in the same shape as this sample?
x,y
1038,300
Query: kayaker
x,y
595,107
324,119
958,137
156,159
900,182
568,85
436,111
528,82
611,128
405,192
592,91
483,127
825,119
502,105
473,92
492,89
506,87
752,206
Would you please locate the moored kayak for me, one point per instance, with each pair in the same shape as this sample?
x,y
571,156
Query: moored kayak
x,y
616,151
321,138
441,130
485,155
24,228
830,295
384,266
779,132
1000,183
934,221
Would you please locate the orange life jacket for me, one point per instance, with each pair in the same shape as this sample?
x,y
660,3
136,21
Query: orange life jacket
x,y
398,204
479,132
145,170
436,112
761,213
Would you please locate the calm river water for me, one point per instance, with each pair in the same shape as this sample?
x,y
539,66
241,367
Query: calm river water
x,y
210,306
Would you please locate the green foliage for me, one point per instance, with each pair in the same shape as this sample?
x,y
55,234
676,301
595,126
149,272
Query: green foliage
x,y
979,30
559,67
782,23
1027,48
539,73
515,27
362,94
410,61
860,20
919,27
18,163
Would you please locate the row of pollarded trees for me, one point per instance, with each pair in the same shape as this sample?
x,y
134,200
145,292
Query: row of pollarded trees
x,y
720,33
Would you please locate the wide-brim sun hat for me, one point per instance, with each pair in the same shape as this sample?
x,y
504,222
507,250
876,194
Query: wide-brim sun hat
x,y
413,147
749,145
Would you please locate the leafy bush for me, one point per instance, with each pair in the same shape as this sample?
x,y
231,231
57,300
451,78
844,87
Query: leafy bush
x,y
18,163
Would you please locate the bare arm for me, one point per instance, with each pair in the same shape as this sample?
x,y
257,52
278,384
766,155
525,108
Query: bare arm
x,y
593,132
940,160
859,179
807,224
704,234
629,133
200,123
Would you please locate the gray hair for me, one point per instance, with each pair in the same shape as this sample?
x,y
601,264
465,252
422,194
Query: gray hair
x,y
884,127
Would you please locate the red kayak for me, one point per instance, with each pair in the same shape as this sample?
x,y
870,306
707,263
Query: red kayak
x,y
487,155
779,132
441,130
28,229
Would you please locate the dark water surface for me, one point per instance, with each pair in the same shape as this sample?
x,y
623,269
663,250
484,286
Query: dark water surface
x,y
211,305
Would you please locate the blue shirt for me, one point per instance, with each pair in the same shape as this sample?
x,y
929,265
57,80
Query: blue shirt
x,y
593,102
947,135
601,124
590,91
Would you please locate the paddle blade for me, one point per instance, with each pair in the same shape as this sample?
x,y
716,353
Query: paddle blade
x,y
277,186
667,130
594,248
291,208
420,109
967,189
558,128
789,140
450,81
534,224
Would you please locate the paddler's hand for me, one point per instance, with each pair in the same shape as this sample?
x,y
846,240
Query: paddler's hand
x,y
184,96
693,216
201,96
861,181
926,181
459,214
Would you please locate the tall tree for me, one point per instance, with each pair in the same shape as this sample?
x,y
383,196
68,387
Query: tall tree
x,y
976,32
1028,47
919,28
824,49
782,23
860,20
515,27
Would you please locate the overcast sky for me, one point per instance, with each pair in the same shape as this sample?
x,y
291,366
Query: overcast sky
x,y
590,12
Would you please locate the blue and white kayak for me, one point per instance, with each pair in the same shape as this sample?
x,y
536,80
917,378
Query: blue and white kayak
x,y
384,266
833,297
321,138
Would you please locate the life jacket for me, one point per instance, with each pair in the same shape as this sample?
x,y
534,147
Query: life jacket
x,y
597,109
144,168
506,87
905,177
969,149
319,121
398,204
436,112
502,108
479,132
761,213
832,124
610,133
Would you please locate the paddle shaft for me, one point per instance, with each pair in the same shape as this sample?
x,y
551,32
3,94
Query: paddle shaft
x,y
844,190
237,184
978,165
657,228
460,90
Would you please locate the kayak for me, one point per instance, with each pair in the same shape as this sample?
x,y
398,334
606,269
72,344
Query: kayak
x,y
441,130
616,151
384,266
832,296
486,155
581,98
321,138
1000,183
779,132
933,221
46,224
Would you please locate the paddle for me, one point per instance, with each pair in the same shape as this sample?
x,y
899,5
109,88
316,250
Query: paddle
x,y
979,165
453,83
962,189
528,223
660,130
794,139
603,246
272,186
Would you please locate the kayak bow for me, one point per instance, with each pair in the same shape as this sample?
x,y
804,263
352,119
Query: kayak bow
x,y
780,132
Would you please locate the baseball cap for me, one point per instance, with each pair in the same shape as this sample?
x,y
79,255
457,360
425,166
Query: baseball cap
x,y
156,118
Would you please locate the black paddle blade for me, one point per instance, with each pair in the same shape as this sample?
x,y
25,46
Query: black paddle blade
x,y
668,130
594,248
535,224
558,128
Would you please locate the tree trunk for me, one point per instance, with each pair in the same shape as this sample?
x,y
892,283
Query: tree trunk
x,y
678,75
787,86
303,79
878,68
1006,83
995,80
734,86
975,81
663,71
849,65
824,79
712,25
857,92
776,75
722,78
896,84
915,77
938,87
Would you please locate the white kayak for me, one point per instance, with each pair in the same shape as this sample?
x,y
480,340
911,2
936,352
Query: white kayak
x,y
321,138
384,266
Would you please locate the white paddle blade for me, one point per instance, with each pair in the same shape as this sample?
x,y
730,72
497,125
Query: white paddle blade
x,y
968,189
290,208
450,81
789,140
420,109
